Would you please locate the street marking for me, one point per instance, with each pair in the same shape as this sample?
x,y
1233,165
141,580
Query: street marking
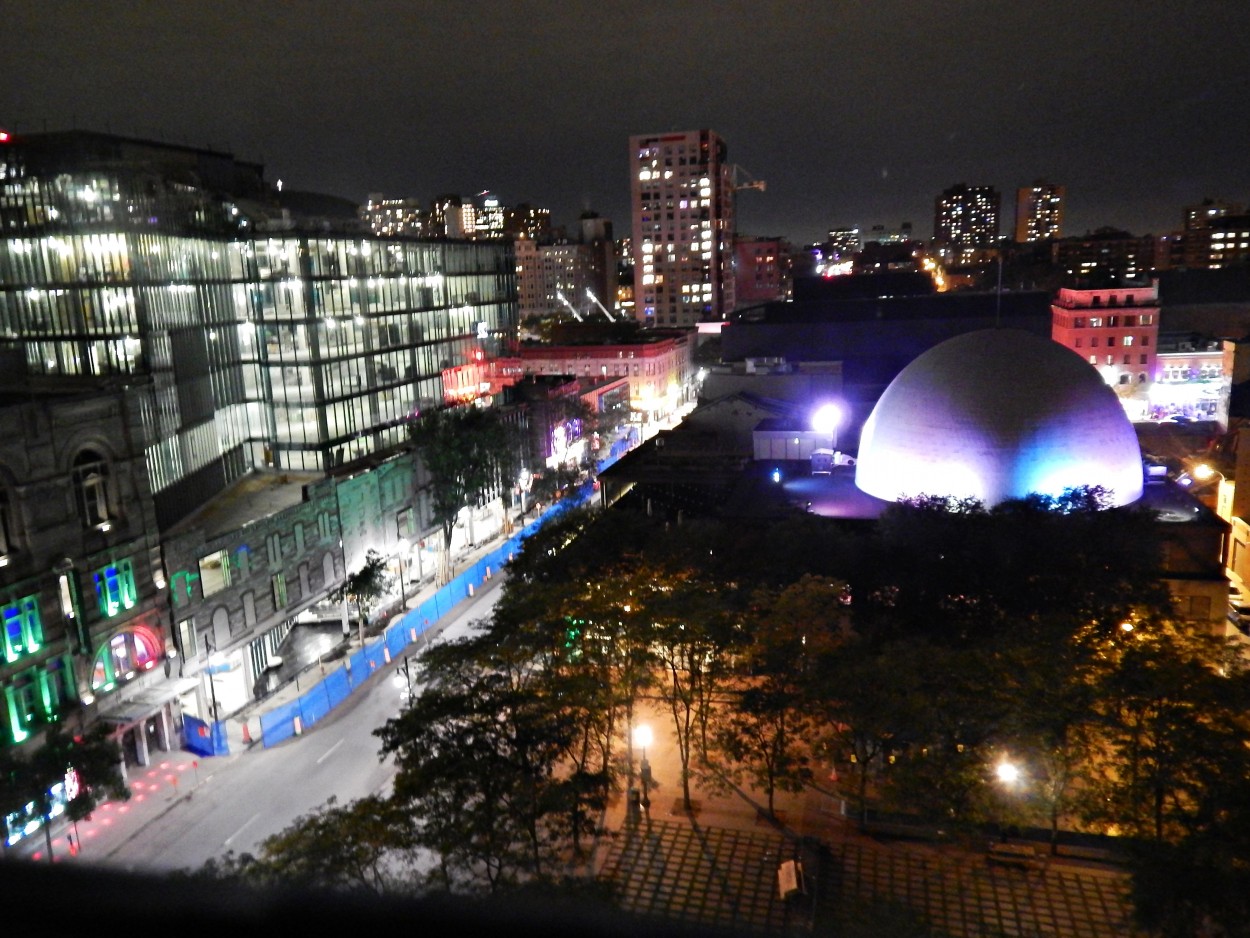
x,y
329,751
226,842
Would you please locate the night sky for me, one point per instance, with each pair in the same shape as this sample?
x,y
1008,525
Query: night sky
x,y
852,113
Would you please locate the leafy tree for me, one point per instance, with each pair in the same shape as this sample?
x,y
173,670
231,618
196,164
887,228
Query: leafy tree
x,y
477,755
765,729
470,454
363,846
92,759
365,586
1173,711
693,635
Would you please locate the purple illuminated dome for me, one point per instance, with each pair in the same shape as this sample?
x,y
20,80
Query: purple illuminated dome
x,y
994,415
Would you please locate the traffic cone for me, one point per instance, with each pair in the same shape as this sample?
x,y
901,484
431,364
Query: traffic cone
x,y
247,734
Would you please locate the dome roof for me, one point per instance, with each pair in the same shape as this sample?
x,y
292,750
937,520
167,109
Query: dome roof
x,y
998,414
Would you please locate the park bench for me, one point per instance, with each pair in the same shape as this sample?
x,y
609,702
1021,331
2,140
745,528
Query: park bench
x,y
1079,852
902,830
1024,856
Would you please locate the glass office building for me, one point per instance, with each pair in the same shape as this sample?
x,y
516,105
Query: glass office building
x,y
266,343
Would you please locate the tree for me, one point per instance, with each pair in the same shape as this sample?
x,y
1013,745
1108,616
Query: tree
x,y
470,454
765,730
365,586
87,763
693,633
364,846
477,756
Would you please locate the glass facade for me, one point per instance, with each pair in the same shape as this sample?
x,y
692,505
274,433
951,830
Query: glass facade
x,y
287,349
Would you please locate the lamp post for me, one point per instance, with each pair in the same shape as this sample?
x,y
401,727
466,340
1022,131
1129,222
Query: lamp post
x,y
642,739
403,575
212,681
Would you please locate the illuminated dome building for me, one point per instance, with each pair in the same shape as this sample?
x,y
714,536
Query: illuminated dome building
x,y
997,414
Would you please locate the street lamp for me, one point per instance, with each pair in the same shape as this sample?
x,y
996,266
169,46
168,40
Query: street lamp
x,y
642,739
825,421
212,680
1008,772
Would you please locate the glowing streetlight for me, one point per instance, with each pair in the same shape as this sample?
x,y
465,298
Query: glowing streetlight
x,y
825,421
1008,772
642,739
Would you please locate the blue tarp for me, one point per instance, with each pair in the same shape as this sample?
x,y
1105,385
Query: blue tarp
x,y
286,720
205,739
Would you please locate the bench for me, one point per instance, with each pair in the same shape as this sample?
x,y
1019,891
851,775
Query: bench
x,y
902,831
1099,854
1024,856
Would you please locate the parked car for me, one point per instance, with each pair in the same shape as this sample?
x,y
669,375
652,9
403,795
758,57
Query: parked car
x,y
1239,613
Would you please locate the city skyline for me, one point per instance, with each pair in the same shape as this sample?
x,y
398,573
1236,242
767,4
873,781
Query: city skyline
x,y
859,118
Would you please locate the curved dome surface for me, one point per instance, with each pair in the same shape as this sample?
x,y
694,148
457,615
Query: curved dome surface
x,y
994,415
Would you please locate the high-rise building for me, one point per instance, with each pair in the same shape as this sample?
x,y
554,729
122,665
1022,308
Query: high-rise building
x,y
683,228
844,243
967,216
261,345
1039,212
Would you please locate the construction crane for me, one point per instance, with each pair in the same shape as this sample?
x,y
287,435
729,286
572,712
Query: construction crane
x,y
750,181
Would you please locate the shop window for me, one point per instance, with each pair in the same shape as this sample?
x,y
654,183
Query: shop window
x,y
214,572
115,588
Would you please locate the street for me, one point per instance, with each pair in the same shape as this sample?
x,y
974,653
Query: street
x,y
186,811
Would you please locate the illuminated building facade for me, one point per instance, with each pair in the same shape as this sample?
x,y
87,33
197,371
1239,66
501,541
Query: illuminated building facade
x,y
682,194
80,571
659,370
1106,253
1116,330
566,279
761,270
1039,212
966,218
260,348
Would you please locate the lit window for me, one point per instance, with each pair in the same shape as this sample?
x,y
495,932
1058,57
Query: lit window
x,y
115,588
91,489
214,572
278,582
23,629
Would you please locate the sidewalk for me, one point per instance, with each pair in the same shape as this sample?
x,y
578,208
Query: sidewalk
x,y
174,775
724,865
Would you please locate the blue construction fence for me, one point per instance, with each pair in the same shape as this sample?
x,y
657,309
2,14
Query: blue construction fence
x,y
291,719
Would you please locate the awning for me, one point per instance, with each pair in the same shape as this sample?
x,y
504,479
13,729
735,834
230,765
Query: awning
x,y
147,702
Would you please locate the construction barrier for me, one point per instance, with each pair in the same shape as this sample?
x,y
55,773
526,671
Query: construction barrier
x,y
290,719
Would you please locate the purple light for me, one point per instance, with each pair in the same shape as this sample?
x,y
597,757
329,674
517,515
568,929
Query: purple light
x,y
826,418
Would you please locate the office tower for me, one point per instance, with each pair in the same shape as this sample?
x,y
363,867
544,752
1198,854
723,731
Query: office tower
x,y
967,216
1039,212
259,345
683,228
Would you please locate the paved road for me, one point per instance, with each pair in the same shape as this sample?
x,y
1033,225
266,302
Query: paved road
x,y
186,810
